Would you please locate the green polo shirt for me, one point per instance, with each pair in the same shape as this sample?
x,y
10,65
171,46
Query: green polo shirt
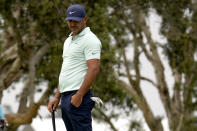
x,y
76,52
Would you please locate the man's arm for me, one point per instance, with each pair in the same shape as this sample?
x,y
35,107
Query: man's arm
x,y
54,102
93,70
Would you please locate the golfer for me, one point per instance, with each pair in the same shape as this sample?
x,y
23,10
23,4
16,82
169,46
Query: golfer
x,y
81,54
2,120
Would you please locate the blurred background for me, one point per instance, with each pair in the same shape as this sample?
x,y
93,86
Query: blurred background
x,y
148,73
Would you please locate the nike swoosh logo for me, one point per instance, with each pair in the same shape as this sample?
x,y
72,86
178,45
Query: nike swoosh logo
x,y
93,53
72,12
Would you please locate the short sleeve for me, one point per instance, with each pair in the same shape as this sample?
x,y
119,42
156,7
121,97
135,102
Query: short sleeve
x,y
92,48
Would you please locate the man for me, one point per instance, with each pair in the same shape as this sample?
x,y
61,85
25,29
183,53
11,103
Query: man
x,y
2,120
81,54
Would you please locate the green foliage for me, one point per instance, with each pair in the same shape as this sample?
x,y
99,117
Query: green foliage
x,y
135,125
1,42
181,39
39,22
106,86
179,27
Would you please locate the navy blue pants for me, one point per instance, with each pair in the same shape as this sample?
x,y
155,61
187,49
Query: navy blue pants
x,y
77,118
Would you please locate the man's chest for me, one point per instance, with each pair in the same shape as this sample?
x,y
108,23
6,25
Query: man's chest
x,y
73,48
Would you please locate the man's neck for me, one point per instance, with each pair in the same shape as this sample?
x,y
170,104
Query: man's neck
x,y
75,34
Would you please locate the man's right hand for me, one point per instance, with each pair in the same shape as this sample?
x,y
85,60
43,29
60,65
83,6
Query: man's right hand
x,y
52,105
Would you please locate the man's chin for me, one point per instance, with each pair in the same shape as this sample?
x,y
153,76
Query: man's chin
x,y
75,31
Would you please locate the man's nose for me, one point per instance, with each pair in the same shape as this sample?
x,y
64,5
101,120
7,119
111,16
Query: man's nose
x,y
72,22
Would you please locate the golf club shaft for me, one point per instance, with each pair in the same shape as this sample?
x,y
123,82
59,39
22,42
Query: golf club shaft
x,y
53,119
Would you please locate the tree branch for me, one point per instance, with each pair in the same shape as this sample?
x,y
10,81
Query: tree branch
x,y
10,53
30,113
107,119
34,60
142,78
153,122
156,62
176,99
29,88
9,73
179,126
126,64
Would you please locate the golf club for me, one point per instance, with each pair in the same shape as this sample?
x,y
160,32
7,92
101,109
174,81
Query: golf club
x,y
53,119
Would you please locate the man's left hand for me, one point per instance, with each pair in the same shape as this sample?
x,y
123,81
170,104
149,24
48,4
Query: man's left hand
x,y
76,100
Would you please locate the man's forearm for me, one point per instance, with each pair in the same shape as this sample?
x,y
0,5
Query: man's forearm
x,y
57,94
88,81
52,105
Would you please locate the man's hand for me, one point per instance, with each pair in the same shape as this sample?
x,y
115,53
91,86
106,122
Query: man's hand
x,y
2,123
76,99
52,105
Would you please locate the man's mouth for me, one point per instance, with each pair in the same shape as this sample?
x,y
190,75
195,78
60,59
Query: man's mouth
x,y
73,27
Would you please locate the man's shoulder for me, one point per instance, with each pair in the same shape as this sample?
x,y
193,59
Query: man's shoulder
x,y
91,37
67,39
90,33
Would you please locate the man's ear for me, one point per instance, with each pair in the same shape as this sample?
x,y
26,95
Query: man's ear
x,y
85,19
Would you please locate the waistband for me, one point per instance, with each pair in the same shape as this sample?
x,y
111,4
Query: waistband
x,y
70,92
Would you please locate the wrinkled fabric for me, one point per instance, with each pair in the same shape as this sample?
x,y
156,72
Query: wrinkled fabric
x,y
77,118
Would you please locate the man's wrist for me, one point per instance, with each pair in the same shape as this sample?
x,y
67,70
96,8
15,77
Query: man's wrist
x,y
57,96
79,93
